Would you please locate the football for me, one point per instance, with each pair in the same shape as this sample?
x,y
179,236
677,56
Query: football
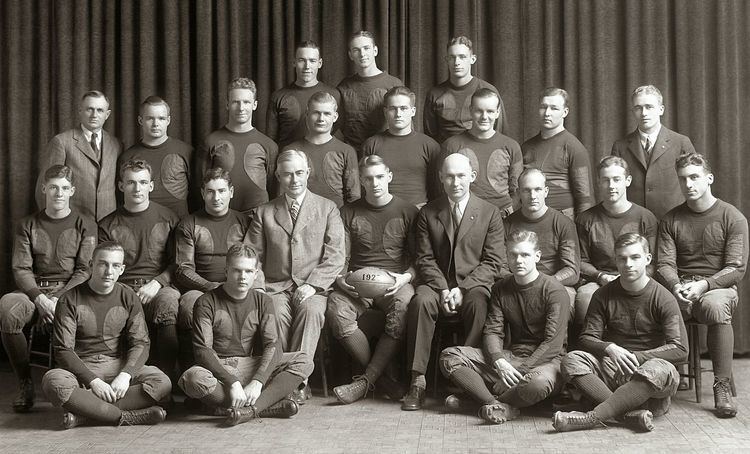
x,y
370,282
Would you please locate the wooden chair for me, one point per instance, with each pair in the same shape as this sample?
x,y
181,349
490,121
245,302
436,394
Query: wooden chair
x,y
695,370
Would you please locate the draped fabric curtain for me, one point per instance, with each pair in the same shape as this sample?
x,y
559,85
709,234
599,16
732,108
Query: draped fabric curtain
x,y
695,51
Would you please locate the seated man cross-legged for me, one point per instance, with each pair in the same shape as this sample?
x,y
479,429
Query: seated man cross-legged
x,y
101,345
227,323
535,307
633,335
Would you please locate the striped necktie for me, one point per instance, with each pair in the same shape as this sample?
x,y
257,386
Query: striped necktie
x,y
294,211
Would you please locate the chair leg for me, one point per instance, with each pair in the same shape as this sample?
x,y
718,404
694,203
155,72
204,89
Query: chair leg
x,y
695,360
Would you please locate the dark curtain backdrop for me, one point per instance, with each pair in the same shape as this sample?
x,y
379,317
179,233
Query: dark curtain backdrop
x,y
695,51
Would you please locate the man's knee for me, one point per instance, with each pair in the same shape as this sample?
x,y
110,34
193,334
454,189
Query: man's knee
x,y
155,382
452,358
539,386
583,299
197,382
297,363
577,363
312,309
716,307
16,311
661,374
475,303
164,307
395,316
341,315
58,385
185,311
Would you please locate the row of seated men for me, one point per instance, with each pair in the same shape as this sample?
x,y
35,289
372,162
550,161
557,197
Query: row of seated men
x,y
447,259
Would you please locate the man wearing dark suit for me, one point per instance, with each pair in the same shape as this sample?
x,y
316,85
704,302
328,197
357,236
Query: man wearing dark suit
x,y
299,237
91,154
651,152
460,250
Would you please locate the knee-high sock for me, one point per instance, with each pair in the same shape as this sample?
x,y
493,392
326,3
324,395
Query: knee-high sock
x,y
216,398
135,398
17,349
384,351
593,387
472,383
168,349
83,402
279,386
720,342
625,398
357,346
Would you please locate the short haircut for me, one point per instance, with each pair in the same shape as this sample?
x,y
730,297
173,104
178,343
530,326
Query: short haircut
x,y
461,40
135,165
400,91
609,161
372,161
554,91
154,100
307,44
108,246
323,97
531,170
629,239
238,250
58,171
483,93
693,159
216,173
520,236
95,94
648,90
242,83
288,155
362,34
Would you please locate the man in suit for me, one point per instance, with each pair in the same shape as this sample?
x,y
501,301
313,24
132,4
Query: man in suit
x,y
91,154
299,238
651,152
460,249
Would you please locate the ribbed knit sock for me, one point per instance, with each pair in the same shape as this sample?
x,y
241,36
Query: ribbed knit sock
x,y
280,386
593,387
625,398
472,383
17,349
720,342
384,351
135,398
84,403
358,347
216,398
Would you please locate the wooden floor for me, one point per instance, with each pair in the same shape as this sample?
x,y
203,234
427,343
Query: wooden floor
x,y
379,426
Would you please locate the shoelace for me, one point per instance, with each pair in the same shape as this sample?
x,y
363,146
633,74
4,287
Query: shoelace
x,y
370,386
721,388
584,420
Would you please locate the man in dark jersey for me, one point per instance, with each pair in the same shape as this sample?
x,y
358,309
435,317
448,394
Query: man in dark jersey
x,y
362,93
557,233
446,107
411,155
285,117
300,243
495,156
144,229
333,163
169,158
248,155
101,346
600,226
534,307
560,155
460,250
230,321
51,254
703,249
201,243
627,376
379,233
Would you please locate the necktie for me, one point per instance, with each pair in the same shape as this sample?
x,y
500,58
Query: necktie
x,y
294,211
647,147
95,145
456,215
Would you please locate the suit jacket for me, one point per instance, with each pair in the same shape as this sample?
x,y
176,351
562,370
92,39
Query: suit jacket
x,y
654,184
94,182
308,252
477,251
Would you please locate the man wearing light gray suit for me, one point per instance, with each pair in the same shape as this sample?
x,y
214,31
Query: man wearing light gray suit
x,y
299,237
651,152
91,154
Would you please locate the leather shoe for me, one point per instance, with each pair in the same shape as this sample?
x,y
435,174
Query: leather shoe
x,y
300,395
414,399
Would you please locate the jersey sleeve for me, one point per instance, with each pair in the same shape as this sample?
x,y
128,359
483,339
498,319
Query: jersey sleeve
x,y
64,330
23,260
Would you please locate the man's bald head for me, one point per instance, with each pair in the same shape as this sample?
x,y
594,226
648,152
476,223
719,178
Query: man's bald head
x,y
456,175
